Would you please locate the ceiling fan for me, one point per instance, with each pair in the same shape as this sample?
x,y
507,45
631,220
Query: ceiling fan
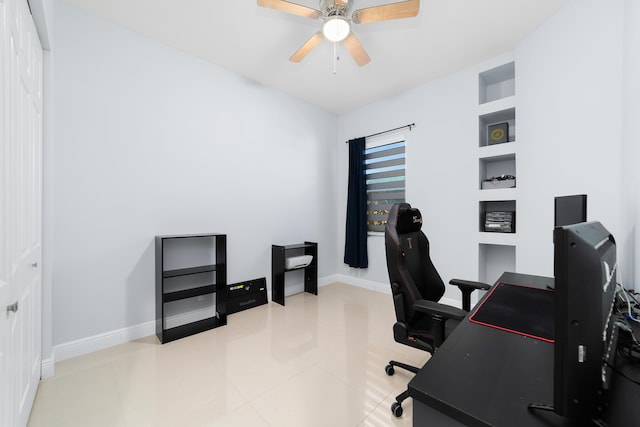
x,y
338,15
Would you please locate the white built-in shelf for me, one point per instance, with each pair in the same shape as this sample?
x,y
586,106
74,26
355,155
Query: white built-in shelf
x,y
488,238
494,259
497,150
503,116
494,167
501,205
496,106
497,195
497,83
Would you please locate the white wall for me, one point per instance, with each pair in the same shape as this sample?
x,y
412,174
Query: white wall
x,y
151,141
441,168
630,239
569,97
569,131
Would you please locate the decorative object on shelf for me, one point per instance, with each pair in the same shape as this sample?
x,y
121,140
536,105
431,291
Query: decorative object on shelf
x,y
294,262
500,221
338,15
502,181
498,133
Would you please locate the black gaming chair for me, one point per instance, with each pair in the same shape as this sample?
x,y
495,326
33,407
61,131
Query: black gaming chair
x,y
416,286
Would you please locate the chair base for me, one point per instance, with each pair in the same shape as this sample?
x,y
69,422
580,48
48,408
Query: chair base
x,y
396,407
404,366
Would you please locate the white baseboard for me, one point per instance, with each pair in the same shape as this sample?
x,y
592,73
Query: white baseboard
x,y
48,368
323,281
109,339
101,341
385,288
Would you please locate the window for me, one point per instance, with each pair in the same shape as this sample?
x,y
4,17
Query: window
x,y
385,177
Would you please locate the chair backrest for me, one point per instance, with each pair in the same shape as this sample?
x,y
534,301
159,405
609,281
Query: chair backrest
x,y
411,272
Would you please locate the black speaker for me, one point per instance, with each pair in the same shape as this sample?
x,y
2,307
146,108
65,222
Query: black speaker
x,y
244,295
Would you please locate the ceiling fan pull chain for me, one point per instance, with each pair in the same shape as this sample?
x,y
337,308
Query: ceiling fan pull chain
x,y
335,58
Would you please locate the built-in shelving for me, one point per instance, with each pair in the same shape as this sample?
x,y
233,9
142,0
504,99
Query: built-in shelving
x,y
495,258
497,83
507,116
497,171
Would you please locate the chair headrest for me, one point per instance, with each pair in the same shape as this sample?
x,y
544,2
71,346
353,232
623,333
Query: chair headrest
x,y
409,220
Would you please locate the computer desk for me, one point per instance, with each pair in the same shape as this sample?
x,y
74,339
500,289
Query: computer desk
x,y
483,376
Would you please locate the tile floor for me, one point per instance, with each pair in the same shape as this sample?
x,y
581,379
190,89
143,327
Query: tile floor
x,y
318,361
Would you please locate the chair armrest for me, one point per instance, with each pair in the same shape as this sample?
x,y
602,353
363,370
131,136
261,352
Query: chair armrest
x,y
467,287
437,309
440,313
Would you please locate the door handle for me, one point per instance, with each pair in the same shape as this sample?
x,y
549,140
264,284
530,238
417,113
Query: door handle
x,y
35,264
12,307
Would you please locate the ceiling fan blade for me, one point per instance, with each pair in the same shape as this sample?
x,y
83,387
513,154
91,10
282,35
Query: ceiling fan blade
x,y
385,12
356,50
307,47
293,8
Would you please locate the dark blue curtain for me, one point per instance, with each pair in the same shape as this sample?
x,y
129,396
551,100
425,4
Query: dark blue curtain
x,y
355,247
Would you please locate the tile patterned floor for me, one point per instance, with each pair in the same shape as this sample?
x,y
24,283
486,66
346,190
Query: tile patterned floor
x,y
318,361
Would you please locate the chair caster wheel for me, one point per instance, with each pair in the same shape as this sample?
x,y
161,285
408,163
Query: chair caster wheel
x,y
389,370
396,408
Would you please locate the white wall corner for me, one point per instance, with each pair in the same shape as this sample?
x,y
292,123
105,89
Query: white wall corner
x,y
48,368
385,288
327,280
364,283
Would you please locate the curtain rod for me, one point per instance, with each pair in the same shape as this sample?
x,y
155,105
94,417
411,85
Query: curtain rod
x,y
390,130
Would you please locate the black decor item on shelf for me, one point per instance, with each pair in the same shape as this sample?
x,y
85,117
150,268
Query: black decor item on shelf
x,y
501,181
500,221
498,133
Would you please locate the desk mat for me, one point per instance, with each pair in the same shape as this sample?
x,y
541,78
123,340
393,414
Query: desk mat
x,y
518,309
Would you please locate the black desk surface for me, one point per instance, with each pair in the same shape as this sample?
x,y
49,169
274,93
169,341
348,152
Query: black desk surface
x,y
482,376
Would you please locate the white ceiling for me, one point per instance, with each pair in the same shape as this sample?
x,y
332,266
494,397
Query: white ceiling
x,y
446,36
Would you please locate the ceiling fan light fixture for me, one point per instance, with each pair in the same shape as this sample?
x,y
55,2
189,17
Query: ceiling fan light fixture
x,y
336,29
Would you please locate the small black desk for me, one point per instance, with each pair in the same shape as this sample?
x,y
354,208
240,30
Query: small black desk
x,y
483,376
278,269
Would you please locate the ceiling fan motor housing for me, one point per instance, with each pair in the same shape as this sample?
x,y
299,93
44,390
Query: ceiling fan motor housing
x,y
333,8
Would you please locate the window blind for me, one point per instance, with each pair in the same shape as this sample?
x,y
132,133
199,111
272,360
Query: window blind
x,y
385,179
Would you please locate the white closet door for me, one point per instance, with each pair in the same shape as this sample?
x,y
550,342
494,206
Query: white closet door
x,y
4,280
22,211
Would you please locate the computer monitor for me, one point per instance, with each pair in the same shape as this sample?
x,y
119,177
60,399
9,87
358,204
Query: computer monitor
x,y
585,286
570,209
